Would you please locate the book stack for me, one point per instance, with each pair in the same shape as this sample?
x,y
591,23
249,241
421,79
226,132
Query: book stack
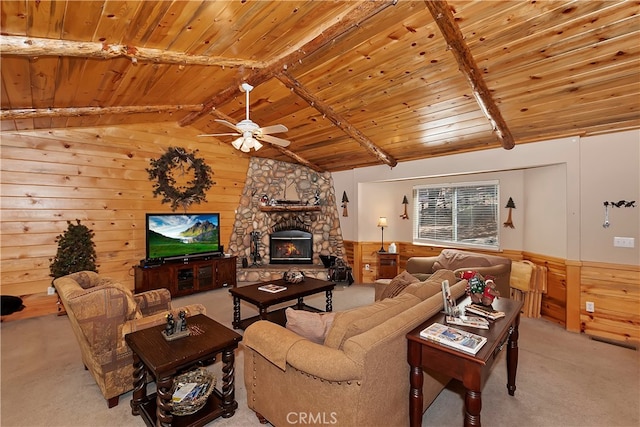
x,y
453,337
472,321
484,311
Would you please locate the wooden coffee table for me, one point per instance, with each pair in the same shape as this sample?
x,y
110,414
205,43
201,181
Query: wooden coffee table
x,y
472,370
263,300
165,359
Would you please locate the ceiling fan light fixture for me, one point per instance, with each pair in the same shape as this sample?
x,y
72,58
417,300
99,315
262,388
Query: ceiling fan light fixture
x,y
250,131
237,143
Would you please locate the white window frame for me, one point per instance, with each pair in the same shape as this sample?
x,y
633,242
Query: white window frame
x,y
454,242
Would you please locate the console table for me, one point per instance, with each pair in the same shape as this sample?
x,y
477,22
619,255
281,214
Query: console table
x,y
187,278
472,370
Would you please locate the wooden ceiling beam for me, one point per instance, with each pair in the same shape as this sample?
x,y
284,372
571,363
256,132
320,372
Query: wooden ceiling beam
x,y
283,150
442,15
32,46
336,119
358,14
33,113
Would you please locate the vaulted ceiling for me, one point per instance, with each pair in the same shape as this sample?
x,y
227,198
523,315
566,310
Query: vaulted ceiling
x,y
356,83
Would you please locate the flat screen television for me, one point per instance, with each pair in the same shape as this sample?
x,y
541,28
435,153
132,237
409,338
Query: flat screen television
x,y
176,236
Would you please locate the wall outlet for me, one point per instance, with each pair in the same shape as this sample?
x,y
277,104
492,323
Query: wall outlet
x,y
624,242
367,267
590,306
51,290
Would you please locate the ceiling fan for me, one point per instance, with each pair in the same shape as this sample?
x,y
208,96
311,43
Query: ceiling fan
x,y
249,132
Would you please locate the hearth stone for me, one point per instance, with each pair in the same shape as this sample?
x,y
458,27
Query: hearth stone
x,y
275,272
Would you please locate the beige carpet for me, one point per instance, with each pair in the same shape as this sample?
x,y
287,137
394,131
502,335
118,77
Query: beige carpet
x,y
564,379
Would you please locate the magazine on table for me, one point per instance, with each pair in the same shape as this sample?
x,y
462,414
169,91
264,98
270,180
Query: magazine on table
x,y
484,311
272,288
472,321
454,338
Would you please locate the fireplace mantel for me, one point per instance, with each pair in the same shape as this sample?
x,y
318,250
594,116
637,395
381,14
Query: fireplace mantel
x,y
285,208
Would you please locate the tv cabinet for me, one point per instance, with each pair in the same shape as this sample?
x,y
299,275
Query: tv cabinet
x,y
187,278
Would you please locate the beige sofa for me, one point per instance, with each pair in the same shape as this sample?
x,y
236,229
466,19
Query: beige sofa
x,y
358,377
458,261
102,312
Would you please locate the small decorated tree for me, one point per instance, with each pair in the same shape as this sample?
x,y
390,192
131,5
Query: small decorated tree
x,y
76,251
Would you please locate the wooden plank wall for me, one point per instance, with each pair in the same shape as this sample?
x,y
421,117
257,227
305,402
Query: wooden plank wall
x,y
615,289
97,175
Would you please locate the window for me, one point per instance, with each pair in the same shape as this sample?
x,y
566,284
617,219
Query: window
x,y
464,214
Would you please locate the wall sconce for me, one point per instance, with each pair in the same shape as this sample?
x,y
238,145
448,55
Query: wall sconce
x,y
382,223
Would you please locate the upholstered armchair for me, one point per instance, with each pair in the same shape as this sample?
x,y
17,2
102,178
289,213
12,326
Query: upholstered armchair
x,y
102,311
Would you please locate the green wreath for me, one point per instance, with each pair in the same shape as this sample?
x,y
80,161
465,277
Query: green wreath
x,y
165,185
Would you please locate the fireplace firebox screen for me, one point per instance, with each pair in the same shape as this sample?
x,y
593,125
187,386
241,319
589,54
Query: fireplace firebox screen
x,y
291,247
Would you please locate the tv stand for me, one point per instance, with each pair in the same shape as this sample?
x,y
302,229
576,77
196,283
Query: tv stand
x,y
185,278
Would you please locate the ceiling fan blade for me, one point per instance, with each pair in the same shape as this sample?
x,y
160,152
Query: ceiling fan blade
x,y
273,140
273,129
219,134
229,124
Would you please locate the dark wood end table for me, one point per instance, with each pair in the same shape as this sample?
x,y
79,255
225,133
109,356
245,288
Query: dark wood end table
x,y
472,370
165,359
263,300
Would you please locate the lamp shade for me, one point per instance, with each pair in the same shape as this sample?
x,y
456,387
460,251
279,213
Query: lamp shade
x,y
382,221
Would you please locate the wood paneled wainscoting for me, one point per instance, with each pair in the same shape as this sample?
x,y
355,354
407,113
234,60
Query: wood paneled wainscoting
x,y
615,291
613,288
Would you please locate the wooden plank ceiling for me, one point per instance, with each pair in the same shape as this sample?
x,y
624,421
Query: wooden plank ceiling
x,y
356,83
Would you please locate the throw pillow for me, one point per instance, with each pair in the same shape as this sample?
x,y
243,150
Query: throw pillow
x,y
313,326
398,284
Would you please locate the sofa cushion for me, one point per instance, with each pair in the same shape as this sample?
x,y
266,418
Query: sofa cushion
x,y
431,286
313,326
347,324
398,284
453,259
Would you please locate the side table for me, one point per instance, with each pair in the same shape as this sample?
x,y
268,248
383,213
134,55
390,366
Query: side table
x,y
162,359
472,370
388,265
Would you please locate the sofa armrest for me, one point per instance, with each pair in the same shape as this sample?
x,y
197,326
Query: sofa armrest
x,y
154,301
281,346
272,341
379,286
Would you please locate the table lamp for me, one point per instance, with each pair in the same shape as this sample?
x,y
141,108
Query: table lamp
x,y
382,223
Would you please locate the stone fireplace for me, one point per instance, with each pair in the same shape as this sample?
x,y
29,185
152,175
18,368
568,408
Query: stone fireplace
x,y
297,206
